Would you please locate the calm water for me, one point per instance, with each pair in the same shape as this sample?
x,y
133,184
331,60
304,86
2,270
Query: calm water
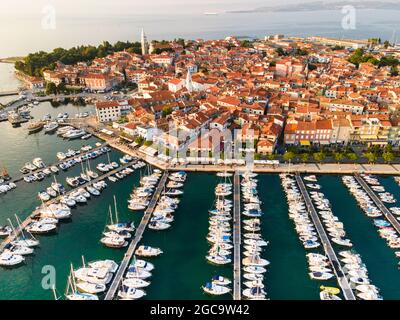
x,y
182,269
93,27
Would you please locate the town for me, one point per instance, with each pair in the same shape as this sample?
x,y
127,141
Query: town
x,y
283,95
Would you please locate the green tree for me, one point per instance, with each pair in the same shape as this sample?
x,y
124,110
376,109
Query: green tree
x,y
148,143
305,157
388,156
352,156
338,156
371,157
166,111
319,156
289,156
139,140
271,157
51,88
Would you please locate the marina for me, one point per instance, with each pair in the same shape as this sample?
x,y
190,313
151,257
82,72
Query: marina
x,y
186,237
327,246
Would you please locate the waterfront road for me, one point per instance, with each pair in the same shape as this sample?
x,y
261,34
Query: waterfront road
x,y
138,237
395,223
337,268
236,238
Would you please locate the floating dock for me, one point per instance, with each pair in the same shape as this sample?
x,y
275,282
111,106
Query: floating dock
x,y
27,221
326,243
236,239
395,223
138,236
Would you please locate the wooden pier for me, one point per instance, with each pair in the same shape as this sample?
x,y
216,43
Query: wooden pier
x,y
59,162
326,243
395,223
137,238
28,220
236,239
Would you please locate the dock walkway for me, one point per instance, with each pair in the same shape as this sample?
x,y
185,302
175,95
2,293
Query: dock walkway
x,y
395,223
28,220
138,236
236,239
327,246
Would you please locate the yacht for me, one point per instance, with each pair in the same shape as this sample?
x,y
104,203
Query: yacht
x,y
215,289
135,283
8,259
90,288
130,293
93,275
51,127
147,251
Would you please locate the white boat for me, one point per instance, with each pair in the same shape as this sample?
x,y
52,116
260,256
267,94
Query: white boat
x,y
91,288
321,275
114,242
130,293
215,289
254,293
147,251
41,228
137,273
8,259
135,283
220,280
110,265
93,275
143,265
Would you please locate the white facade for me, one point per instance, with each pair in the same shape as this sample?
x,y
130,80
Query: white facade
x,y
108,114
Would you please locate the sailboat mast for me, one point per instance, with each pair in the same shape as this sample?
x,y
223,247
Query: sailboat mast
x,y
111,217
116,210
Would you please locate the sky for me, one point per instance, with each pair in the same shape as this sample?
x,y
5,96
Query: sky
x,y
15,8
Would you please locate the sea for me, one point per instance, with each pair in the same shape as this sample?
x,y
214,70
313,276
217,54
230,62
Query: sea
x,y
28,35
182,269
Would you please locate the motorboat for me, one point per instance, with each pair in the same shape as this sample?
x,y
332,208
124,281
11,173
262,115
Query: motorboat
x,y
135,283
93,275
91,288
8,259
137,273
215,289
321,275
114,241
147,251
130,293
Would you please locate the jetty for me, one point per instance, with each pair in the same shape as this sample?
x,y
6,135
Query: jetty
x,y
19,229
326,243
138,236
236,238
59,162
9,93
395,223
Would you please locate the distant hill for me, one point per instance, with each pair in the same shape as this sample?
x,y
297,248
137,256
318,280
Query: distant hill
x,y
324,5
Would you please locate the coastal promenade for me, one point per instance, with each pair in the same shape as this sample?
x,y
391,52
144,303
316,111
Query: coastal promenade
x,y
327,246
236,238
394,222
137,238
19,229
306,168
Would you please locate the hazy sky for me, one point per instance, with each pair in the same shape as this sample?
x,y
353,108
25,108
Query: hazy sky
x,y
87,7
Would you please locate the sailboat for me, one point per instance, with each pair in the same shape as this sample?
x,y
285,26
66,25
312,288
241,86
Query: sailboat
x,y
116,233
71,293
23,240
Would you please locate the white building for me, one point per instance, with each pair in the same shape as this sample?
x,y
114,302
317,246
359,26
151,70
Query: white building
x,y
108,111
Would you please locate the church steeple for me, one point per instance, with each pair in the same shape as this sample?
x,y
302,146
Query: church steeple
x,y
189,83
145,45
